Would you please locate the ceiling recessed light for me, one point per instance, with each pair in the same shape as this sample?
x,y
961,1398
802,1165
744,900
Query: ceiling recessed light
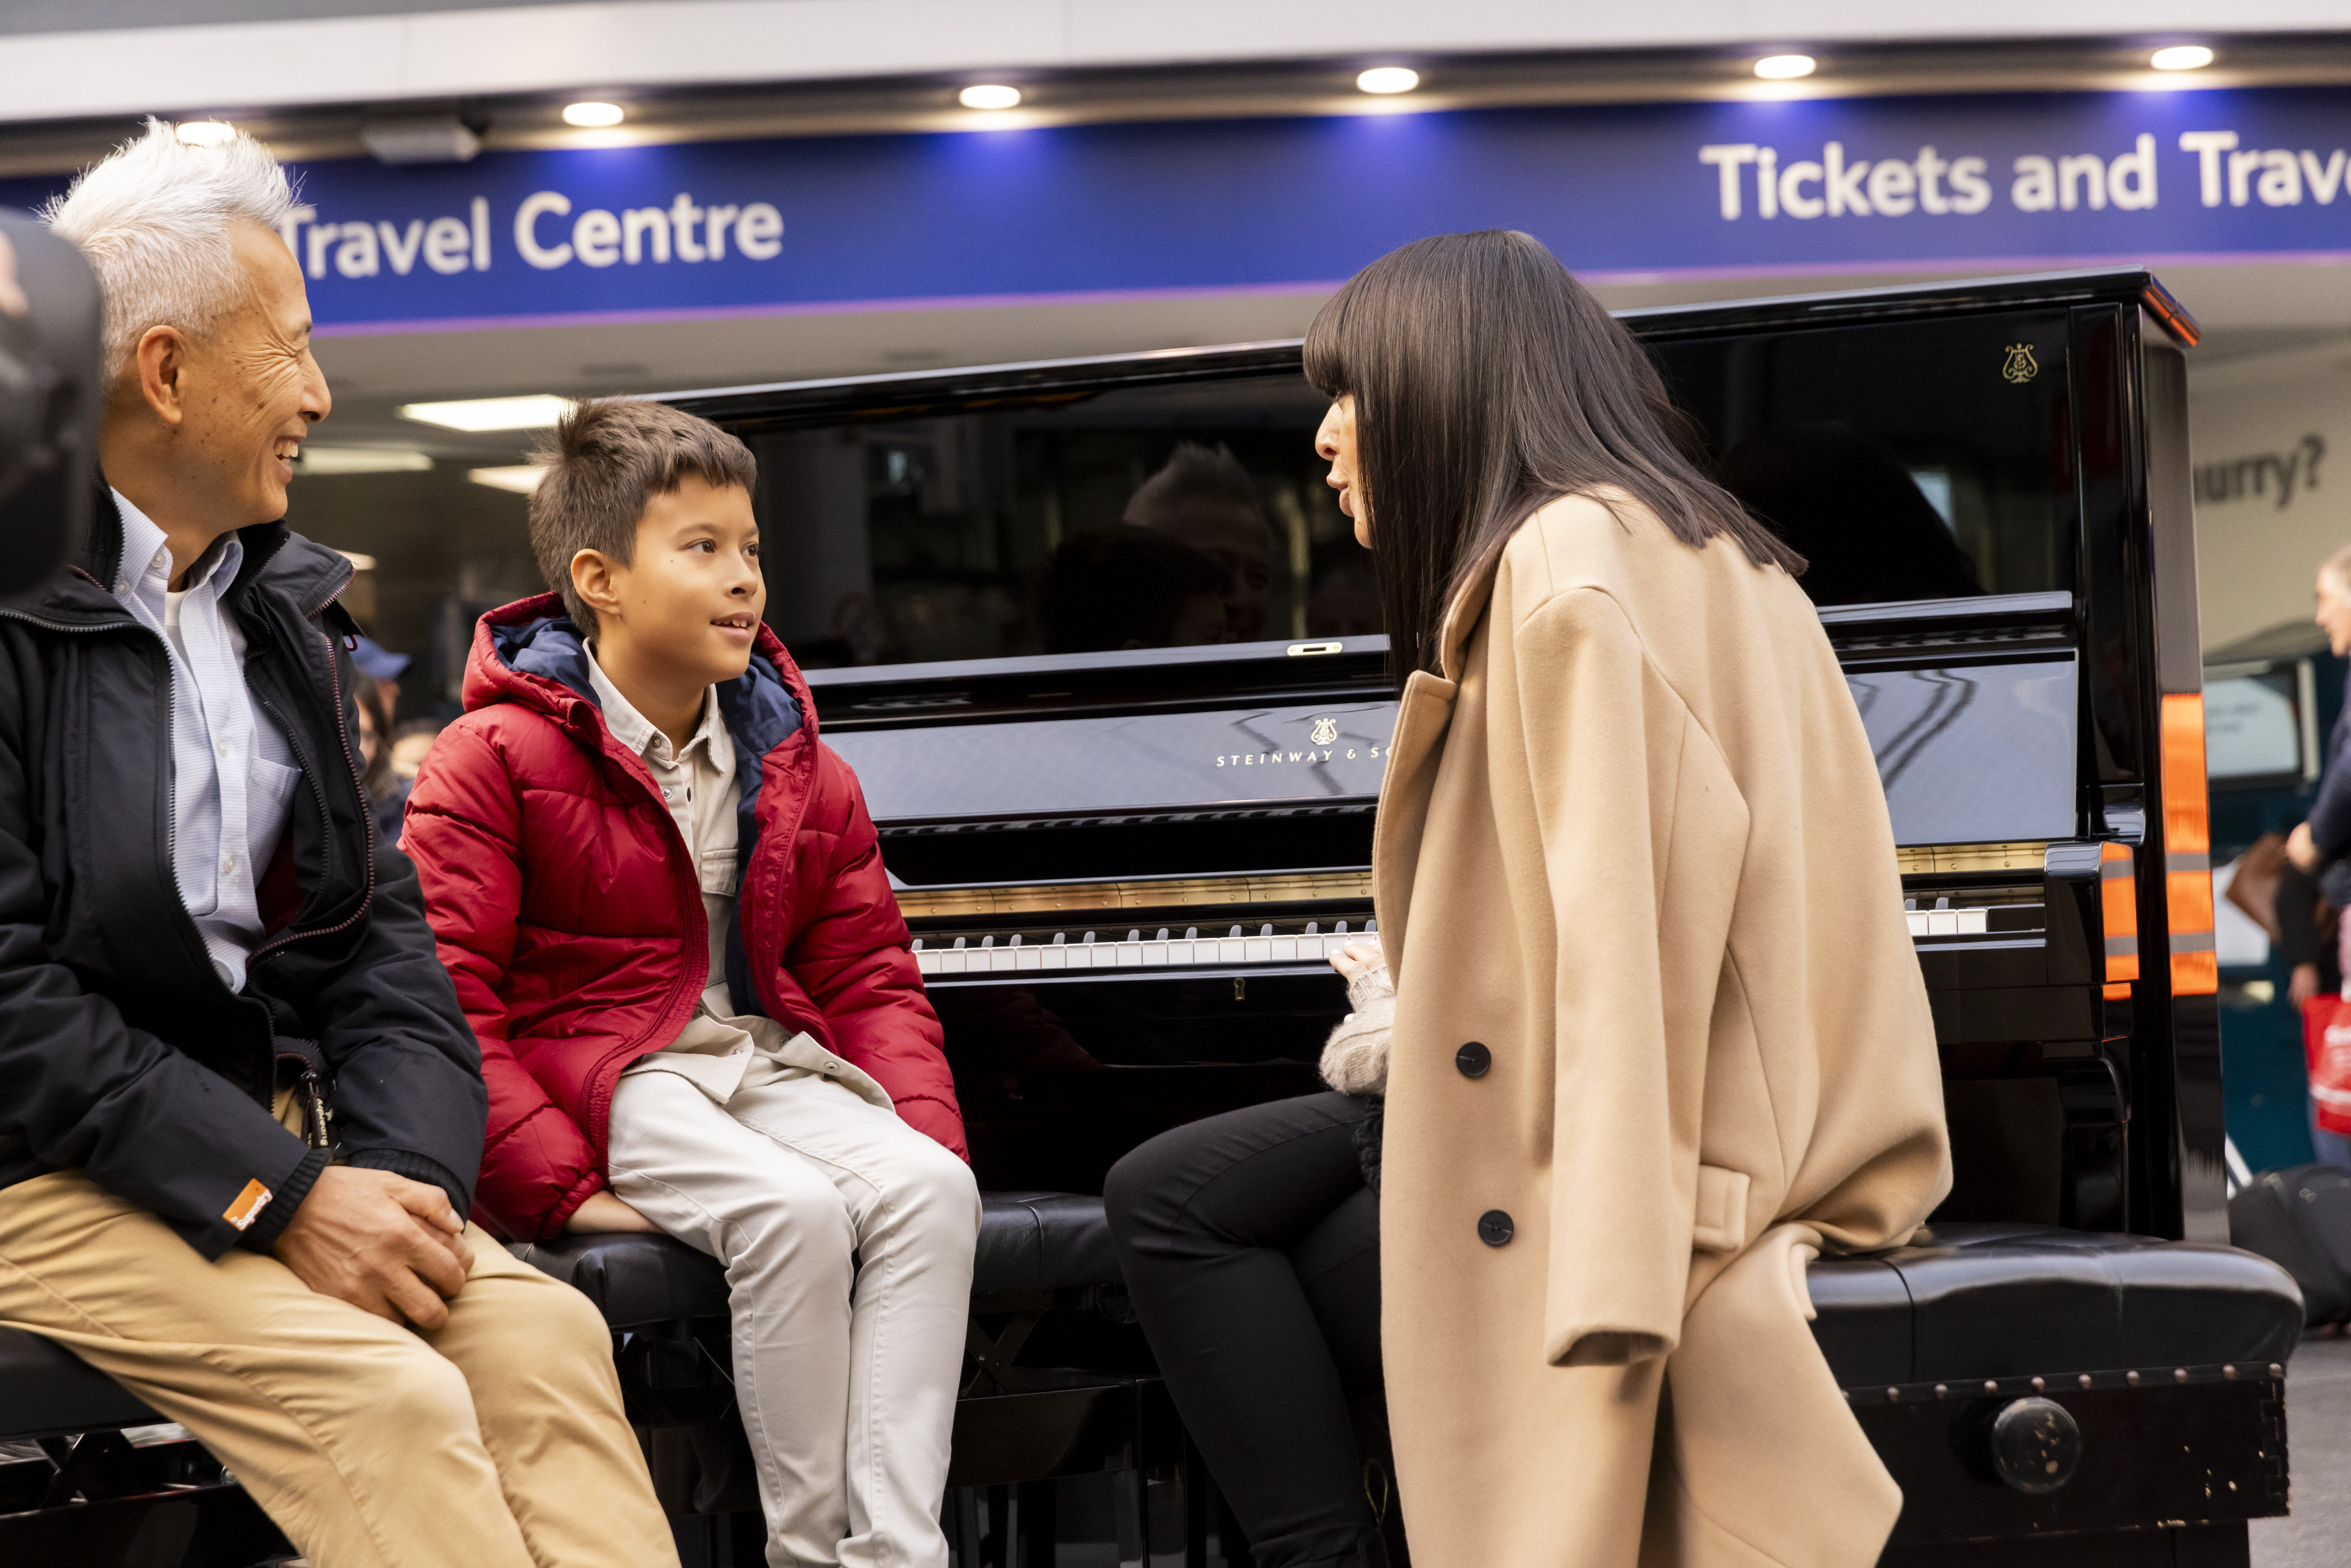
x,y
1785,68
539,411
522,478
592,116
361,460
1387,80
205,132
989,95
2181,58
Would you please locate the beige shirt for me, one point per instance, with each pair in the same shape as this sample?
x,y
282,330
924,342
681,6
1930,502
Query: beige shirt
x,y
720,1050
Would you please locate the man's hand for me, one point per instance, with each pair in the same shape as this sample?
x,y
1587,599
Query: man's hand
x,y
1357,959
602,1211
2302,985
385,1244
2302,850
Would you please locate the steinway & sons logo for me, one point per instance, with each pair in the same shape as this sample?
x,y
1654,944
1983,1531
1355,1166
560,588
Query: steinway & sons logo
x,y
2020,366
1322,735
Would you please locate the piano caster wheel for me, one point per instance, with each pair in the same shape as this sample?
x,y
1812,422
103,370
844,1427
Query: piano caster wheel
x,y
2036,1446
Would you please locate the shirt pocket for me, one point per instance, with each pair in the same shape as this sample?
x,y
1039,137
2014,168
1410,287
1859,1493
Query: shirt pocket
x,y
268,787
719,873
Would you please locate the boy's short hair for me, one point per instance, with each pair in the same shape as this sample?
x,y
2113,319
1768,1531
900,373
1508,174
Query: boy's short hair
x,y
609,459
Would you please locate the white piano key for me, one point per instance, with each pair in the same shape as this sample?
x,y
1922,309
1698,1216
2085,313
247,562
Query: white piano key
x,y
952,963
1154,954
999,959
1055,958
1130,955
1229,949
1972,921
927,962
1284,948
1257,950
1917,920
1028,958
1942,922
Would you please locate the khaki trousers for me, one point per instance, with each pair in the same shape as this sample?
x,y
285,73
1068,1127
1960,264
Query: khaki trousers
x,y
496,1442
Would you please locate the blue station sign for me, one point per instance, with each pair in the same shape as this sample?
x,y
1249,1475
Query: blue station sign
x,y
830,223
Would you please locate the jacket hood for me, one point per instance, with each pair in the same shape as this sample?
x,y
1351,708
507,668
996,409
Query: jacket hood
x,y
530,653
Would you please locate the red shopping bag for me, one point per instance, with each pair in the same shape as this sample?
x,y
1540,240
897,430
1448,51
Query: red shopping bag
x,y
2327,1048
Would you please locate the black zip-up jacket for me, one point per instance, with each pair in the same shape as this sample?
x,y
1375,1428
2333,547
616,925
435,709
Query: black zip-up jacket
x,y
121,1051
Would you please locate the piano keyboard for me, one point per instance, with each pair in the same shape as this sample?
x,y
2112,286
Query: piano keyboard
x,y
1943,920
1159,949
1164,947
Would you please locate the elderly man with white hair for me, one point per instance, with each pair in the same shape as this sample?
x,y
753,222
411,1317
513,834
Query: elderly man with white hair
x,y
241,1113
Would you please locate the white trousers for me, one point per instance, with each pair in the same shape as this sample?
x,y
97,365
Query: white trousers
x,y
847,1236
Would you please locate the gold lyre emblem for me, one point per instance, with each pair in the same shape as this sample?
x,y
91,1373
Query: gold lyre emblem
x,y
2020,366
1324,732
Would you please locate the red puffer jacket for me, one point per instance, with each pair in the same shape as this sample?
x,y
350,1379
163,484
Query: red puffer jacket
x,y
570,916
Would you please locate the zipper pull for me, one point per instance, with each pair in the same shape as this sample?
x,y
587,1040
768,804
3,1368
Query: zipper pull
x,y
315,1114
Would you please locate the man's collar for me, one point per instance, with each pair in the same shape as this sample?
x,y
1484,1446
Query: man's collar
x,y
143,540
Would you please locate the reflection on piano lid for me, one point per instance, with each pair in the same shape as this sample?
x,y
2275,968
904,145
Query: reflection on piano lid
x,y
1159,949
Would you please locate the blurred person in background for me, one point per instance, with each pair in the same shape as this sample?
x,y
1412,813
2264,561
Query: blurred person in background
x,y
2321,847
1203,497
412,742
387,791
176,1206
385,667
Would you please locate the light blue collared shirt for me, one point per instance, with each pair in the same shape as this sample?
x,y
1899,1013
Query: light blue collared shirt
x,y
233,774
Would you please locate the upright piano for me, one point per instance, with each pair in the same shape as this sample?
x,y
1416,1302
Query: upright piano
x,y
1109,664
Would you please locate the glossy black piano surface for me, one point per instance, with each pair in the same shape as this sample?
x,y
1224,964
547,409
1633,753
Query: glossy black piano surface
x,y
1108,661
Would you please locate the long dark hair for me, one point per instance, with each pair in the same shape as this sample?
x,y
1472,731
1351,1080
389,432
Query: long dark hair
x,y
1489,382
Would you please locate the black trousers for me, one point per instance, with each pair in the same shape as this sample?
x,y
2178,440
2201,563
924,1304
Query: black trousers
x,y
1251,1249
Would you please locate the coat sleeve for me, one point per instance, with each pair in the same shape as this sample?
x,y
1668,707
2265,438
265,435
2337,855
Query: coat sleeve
x,y
465,832
408,1086
1642,832
2330,813
80,1088
850,955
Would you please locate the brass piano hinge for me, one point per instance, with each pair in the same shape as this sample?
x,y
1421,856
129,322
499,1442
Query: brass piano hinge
x,y
1080,897
1926,860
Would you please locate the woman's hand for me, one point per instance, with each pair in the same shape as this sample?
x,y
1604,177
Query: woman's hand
x,y
1355,1057
2302,850
2302,985
602,1211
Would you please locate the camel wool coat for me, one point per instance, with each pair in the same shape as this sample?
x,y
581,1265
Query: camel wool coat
x,y
1632,841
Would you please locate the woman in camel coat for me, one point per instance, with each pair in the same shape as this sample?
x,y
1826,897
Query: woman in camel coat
x,y
1658,1033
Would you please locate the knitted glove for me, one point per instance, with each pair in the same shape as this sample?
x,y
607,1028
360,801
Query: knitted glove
x,y
1355,1057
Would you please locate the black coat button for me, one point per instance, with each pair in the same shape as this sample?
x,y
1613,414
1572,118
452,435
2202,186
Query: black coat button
x,y
1473,1060
1494,1229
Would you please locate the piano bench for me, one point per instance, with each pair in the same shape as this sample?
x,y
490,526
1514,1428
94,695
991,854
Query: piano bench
x,y
1031,1244
2022,1381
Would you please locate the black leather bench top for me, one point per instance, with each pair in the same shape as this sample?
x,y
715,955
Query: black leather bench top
x,y
1029,1241
1960,1302
1966,1301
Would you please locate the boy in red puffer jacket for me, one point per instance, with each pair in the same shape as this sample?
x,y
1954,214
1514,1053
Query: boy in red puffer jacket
x,y
664,908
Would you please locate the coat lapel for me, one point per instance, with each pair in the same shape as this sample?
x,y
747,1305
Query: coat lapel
x,y
1413,751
